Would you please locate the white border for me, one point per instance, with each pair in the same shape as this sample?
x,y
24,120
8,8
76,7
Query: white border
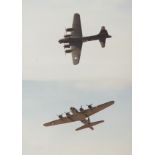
x,y
11,77
143,77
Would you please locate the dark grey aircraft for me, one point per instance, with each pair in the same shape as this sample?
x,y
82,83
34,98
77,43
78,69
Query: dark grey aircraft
x,y
81,115
74,40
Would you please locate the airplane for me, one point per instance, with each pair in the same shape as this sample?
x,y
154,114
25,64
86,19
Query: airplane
x,y
73,41
80,115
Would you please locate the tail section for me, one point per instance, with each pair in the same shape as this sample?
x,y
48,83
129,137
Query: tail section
x,y
103,36
89,125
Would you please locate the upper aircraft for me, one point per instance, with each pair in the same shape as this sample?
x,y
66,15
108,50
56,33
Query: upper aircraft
x,y
81,115
74,40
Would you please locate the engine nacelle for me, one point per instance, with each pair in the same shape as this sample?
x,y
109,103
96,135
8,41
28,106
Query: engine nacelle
x,y
67,35
68,51
67,46
60,116
69,29
90,106
68,114
81,109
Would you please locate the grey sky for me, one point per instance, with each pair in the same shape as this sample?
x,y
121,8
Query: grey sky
x,y
51,83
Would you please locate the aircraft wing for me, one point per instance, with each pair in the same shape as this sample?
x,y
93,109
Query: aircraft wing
x,y
93,110
58,121
71,118
77,30
76,52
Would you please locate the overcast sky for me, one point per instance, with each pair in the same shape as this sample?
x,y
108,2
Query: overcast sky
x,y
52,83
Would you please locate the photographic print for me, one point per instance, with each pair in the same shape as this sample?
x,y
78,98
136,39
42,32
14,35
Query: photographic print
x,y
77,77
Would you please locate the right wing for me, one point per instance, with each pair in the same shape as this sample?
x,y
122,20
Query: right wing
x,y
77,30
93,110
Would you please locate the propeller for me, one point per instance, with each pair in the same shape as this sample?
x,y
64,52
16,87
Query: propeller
x,y
60,116
81,108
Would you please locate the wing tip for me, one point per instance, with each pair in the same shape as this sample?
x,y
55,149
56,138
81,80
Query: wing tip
x,y
76,60
76,14
45,124
75,63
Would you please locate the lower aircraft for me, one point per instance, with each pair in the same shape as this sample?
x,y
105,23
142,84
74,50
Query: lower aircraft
x,y
81,115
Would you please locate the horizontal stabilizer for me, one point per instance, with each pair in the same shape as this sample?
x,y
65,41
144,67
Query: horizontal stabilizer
x,y
102,42
89,125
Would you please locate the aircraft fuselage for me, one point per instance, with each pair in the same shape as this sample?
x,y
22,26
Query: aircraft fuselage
x,y
83,39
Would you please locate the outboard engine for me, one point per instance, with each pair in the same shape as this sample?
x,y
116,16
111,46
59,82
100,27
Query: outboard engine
x,y
67,46
69,29
68,51
90,106
81,109
60,116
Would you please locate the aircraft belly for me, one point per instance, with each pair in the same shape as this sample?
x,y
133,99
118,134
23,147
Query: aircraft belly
x,y
79,116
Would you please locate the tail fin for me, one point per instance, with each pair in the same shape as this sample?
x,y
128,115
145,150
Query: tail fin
x,y
103,30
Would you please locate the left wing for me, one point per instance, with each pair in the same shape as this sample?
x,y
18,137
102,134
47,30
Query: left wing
x,y
76,52
96,109
58,121
67,119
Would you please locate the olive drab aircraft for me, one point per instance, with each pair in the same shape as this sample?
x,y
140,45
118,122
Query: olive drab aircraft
x,y
73,41
81,115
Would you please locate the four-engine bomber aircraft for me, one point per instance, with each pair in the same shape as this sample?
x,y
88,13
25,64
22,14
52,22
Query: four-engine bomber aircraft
x,y
74,40
81,115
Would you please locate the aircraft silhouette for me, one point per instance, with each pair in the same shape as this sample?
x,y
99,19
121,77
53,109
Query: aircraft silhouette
x,y
74,40
80,115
